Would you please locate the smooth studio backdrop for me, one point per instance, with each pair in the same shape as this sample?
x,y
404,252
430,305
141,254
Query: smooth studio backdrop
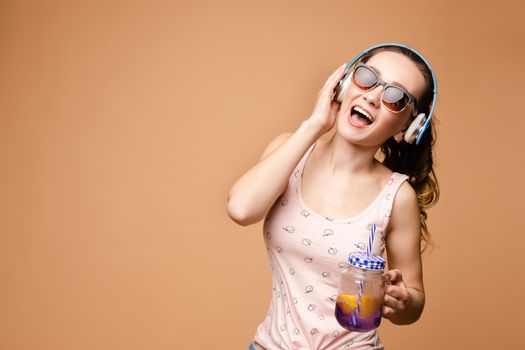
x,y
123,124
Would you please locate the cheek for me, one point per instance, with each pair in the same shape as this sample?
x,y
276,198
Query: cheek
x,y
351,94
395,122
346,101
405,119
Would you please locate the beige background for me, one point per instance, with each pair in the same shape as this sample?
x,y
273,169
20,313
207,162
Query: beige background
x,y
125,123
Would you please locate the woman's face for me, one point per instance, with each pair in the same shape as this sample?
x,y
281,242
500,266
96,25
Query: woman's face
x,y
393,68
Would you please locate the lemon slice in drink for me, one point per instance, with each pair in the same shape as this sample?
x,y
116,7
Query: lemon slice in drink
x,y
347,303
369,306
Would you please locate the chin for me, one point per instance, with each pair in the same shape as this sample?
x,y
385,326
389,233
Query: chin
x,y
349,135
374,135
358,137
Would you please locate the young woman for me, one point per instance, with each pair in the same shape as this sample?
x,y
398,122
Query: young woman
x,y
320,196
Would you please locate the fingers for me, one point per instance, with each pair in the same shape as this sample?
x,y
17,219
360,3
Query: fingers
x,y
395,300
388,311
398,293
334,78
334,107
392,306
325,110
337,73
394,277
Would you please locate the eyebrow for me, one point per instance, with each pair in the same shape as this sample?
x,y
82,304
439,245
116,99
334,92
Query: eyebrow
x,y
393,81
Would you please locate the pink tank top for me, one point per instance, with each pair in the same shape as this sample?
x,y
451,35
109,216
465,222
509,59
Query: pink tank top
x,y
307,253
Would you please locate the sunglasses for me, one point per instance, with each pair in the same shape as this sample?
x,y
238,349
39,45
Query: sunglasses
x,y
394,97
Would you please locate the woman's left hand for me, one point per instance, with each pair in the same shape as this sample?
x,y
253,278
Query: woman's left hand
x,y
397,296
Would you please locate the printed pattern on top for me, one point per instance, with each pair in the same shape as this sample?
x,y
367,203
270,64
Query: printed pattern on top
x,y
307,252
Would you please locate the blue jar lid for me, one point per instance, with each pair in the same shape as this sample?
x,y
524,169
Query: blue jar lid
x,y
368,262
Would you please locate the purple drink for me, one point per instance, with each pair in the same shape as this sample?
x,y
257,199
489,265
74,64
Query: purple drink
x,y
364,318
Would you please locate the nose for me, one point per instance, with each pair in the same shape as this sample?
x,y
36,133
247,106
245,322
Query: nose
x,y
373,96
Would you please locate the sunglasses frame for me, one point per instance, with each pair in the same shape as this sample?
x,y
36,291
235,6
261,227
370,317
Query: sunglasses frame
x,y
411,98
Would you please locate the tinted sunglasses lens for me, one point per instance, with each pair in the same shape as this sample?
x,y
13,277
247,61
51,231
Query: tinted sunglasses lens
x,y
395,99
364,78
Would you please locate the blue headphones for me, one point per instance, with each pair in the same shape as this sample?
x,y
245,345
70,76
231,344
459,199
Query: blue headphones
x,y
417,128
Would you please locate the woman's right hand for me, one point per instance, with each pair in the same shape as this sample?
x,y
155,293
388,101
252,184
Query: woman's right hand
x,y
324,113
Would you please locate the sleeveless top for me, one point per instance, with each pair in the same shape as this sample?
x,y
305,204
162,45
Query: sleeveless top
x,y
307,253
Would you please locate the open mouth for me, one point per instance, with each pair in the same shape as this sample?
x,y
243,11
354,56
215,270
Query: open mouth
x,y
359,117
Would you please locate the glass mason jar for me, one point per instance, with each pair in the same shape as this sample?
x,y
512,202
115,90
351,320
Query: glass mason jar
x,y
361,291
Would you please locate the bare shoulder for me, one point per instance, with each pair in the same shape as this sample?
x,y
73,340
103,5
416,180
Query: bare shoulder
x,y
276,142
406,198
406,195
405,210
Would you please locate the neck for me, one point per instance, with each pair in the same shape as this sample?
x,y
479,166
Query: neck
x,y
344,158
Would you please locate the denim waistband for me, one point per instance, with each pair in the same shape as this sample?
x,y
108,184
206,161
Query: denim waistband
x,y
252,346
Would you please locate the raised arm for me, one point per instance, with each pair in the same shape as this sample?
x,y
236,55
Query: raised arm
x,y
252,196
255,191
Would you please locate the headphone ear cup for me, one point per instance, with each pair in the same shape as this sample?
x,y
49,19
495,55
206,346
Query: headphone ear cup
x,y
412,132
342,87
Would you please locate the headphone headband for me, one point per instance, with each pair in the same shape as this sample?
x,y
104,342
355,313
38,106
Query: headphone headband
x,y
366,51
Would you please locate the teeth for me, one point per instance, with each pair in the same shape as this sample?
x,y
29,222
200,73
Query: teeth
x,y
362,111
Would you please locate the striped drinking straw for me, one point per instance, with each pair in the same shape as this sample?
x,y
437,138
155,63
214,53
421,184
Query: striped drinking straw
x,y
371,239
368,253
